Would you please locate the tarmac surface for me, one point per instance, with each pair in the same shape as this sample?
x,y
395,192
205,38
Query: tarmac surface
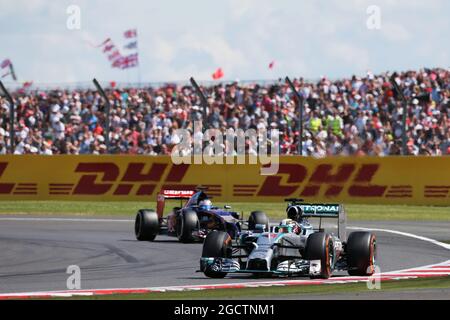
x,y
35,252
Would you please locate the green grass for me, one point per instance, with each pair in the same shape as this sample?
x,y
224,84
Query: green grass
x,y
394,285
274,210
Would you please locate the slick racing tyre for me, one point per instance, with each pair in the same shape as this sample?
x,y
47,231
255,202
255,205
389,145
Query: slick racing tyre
x,y
146,225
319,246
258,217
361,253
187,222
217,245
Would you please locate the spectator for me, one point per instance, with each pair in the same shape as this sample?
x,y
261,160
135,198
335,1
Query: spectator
x,y
355,116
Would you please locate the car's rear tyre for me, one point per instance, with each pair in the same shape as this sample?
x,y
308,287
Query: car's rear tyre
x,y
258,217
146,225
217,245
361,253
186,224
319,246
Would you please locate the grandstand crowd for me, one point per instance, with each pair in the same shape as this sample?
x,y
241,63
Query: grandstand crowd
x,y
354,116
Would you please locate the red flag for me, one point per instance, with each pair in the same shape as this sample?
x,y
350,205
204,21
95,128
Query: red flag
x,y
271,65
114,55
132,33
218,74
27,84
108,47
112,84
118,62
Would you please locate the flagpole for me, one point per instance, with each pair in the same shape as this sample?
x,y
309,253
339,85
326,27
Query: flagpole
x,y
300,111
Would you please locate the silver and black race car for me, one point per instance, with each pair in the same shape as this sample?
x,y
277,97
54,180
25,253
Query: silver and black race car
x,y
293,248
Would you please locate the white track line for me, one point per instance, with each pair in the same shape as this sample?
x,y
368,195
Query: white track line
x,y
406,234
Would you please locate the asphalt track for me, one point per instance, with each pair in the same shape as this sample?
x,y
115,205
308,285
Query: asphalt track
x,y
36,251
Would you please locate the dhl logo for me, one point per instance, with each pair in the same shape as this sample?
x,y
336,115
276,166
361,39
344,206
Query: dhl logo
x,y
100,178
146,178
325,179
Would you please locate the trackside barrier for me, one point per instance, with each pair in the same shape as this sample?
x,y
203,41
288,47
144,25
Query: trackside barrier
x,y
388,180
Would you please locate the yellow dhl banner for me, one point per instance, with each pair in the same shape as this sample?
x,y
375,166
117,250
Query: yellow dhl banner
x,y
389,180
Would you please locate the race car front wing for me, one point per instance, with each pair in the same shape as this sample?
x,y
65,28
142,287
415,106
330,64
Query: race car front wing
x,y
287,267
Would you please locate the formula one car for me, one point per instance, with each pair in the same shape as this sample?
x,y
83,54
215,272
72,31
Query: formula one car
x,y
193,219
293,248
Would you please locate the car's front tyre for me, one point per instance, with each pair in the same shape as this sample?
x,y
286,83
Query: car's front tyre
x,y
319,246
217,245
187,222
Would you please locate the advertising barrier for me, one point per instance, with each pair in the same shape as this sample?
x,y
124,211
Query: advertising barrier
x,y
388,180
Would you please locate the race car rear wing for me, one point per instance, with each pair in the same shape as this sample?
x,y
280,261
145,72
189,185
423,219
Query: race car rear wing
x,y
176,194
323,210
171,195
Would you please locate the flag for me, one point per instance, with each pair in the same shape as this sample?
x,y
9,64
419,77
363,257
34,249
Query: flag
x,y
117,63
130,61
108,47
5,63
271,65
132,33
131,45
27,84
113,53
218,74
113,56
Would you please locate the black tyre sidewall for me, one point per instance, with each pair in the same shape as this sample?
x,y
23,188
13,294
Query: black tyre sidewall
x,y
361,252
187,222
146,225
258,217
318,246
216,246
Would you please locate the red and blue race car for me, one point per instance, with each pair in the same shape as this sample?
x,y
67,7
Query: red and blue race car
x,y
193,219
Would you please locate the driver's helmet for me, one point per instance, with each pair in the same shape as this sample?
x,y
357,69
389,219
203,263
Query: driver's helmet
x,y
205,204
286,226
294,213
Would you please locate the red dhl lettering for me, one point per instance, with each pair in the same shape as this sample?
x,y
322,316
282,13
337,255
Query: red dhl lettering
x,y
105,174
323,178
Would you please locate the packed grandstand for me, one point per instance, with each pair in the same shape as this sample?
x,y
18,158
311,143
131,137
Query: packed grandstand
x,y
353,116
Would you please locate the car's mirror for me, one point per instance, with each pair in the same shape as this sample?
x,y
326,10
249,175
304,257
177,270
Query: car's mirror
x,y
227,207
